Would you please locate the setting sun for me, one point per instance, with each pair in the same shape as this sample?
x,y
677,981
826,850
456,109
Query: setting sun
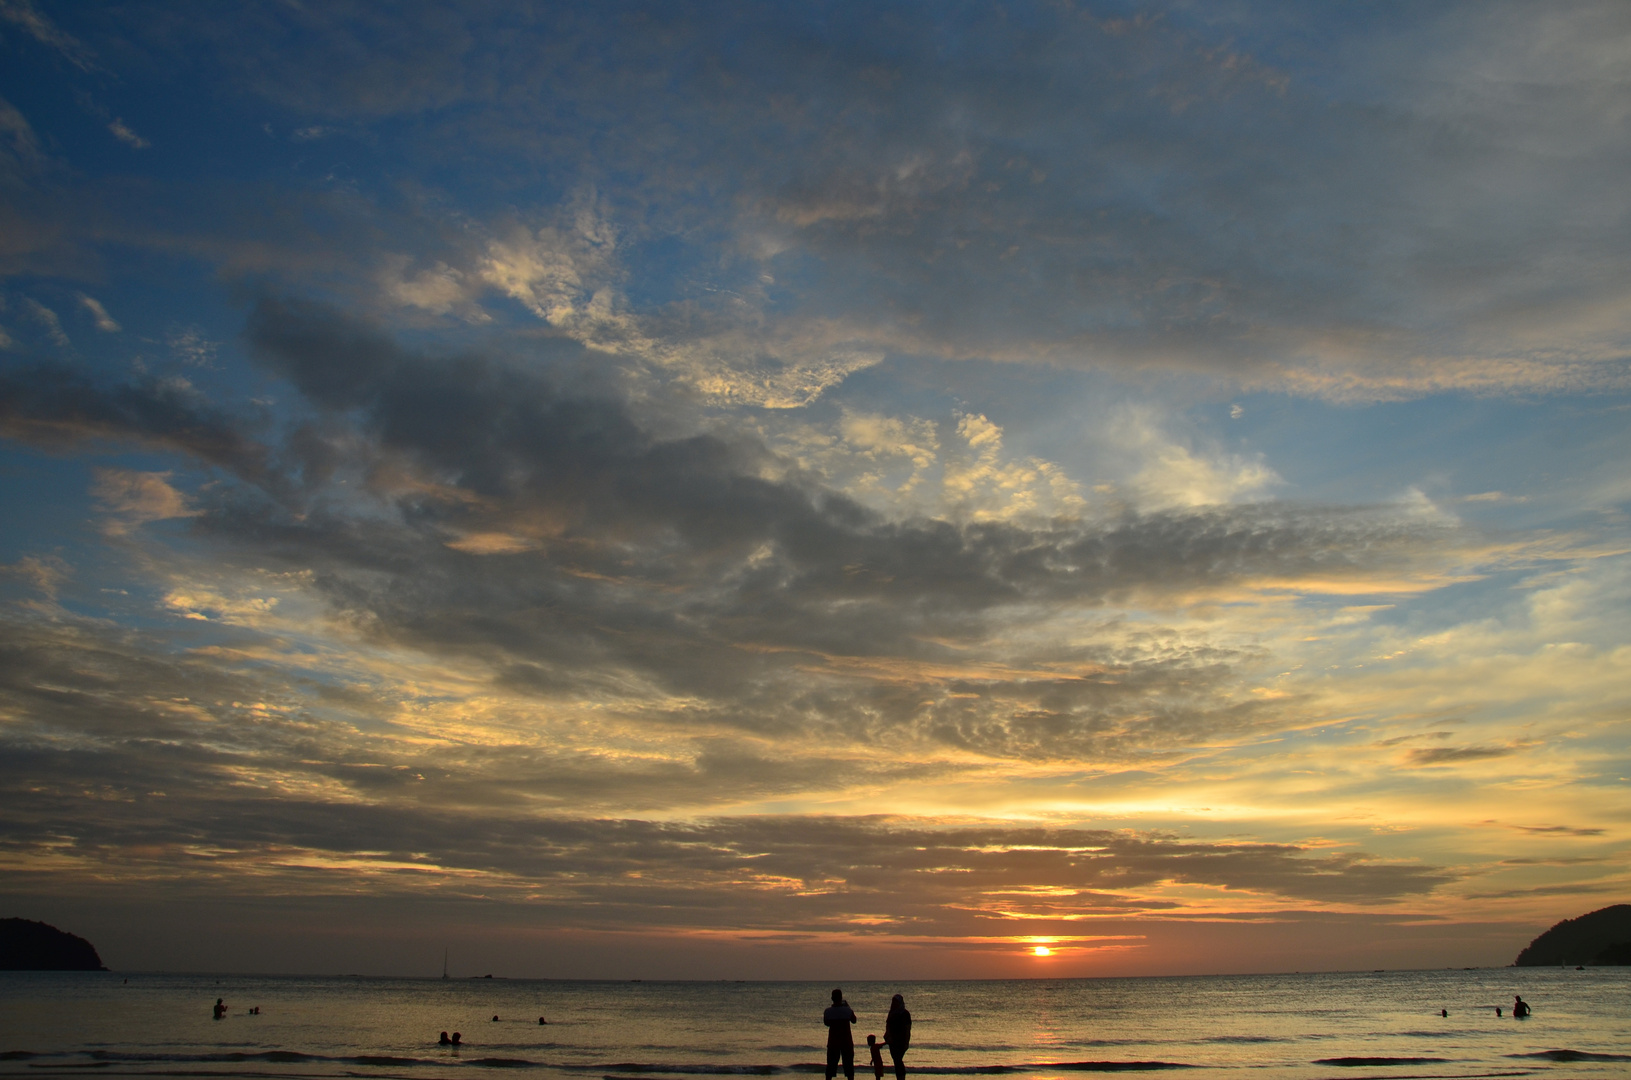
x,y
1042,950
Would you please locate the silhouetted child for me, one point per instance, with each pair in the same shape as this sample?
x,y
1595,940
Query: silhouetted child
x,y
877,1055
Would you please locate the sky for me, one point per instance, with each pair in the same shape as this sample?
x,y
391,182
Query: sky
x,y
867,490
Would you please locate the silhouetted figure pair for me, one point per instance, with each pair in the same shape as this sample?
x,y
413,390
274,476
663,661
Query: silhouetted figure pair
x,y
897,1035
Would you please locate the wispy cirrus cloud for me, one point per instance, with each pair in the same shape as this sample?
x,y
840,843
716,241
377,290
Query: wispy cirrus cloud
x,y
104,321
1266,223
26,16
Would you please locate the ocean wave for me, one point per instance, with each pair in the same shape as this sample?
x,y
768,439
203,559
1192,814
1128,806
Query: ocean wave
x,y
999,1048
1369,1061
280,1056
287,1057
1573,1055
683,1070
1052,1066
624,1070
71,1065
944,1070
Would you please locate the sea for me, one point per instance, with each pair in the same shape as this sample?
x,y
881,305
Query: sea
x,y
1351,1025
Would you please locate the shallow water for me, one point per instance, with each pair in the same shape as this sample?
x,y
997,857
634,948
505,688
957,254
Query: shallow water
x,y
1296,1027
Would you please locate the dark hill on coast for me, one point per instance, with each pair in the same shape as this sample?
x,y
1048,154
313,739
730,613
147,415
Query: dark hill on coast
x,y
26,945
1600,937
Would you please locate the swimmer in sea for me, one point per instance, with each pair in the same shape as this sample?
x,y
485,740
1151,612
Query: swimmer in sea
x,y
220,1008
444,1040
456,1041
1520,1008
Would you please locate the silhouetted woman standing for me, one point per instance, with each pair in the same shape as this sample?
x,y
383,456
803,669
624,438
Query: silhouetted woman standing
x,y
897,1032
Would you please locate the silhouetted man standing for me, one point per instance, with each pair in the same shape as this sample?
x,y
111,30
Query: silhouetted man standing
x,y
840,1043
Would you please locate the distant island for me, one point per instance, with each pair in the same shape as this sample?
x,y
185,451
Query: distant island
x,y
26,945
1599,937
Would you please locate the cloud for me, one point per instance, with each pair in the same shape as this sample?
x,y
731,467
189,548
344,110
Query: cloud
x,y
1455,755
21,159
151,781
1572,889
104,321
560,274
48,322
439,289
1170,474
1132,195
122,132
138,498
46,574
1562,830
145,753
24,14
54,406
475,509
573,471
696,471
570,274
190,345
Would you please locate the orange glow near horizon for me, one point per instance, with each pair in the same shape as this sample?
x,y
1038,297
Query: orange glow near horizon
x,y
1042,950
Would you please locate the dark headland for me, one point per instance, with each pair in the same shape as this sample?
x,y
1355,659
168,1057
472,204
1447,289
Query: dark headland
x,y
26,945
1599,937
